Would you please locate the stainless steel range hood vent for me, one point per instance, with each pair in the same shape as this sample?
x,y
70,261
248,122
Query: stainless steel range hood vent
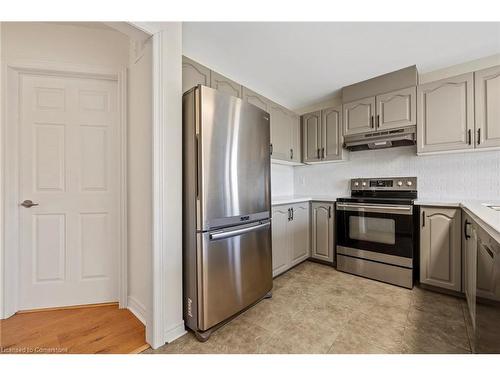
x,y
381,139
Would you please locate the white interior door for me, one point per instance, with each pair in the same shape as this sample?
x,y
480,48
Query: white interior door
x,y
69,166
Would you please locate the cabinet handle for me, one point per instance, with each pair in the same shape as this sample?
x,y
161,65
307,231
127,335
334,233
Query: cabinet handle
x,y
488,250
479,136
291,153
323,153
291,209
289,214
371,122
378,121
465,230
423,219
318,154
329,211
470,137
271,148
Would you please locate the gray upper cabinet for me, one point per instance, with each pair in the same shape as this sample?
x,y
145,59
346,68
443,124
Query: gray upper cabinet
x,y
295,155
322,135
322,231
445,118
281,133
440,247
311,136
487,95
397,109
221,83
358,116
257,100
193,74
331,134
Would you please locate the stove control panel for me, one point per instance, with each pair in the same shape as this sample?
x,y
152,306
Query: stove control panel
x,y
385,183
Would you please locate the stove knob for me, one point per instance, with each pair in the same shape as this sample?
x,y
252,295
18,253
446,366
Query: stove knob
x,y
364,184
356,184
400,183
409,183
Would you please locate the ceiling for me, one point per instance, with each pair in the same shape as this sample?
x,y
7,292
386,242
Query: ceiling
x,y
300,63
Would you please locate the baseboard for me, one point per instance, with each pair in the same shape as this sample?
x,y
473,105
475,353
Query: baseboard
x,y
137,309
175,332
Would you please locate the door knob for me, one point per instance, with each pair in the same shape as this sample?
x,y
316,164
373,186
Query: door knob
x,y
28,204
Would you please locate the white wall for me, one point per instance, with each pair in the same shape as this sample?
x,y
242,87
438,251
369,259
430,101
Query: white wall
x,y
139,174
447,176
66,43
281,180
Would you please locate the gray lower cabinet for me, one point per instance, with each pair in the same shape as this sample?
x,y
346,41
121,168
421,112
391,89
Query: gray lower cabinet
x,y
440,247
280,239
322,135
469,245
193,74
487,107
445,114
290,236
322,231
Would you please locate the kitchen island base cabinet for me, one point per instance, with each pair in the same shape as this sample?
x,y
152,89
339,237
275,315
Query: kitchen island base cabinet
x,y
322,231
440,247
290,236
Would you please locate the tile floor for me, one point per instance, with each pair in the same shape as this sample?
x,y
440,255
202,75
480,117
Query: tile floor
x,y
316,309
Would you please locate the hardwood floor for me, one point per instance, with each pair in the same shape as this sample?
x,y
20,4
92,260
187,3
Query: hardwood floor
x,y
79,330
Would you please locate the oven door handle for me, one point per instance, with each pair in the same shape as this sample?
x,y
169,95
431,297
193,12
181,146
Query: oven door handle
x,y
404,210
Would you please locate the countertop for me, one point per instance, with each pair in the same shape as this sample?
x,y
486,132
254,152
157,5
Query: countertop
x,y
487,217
277,201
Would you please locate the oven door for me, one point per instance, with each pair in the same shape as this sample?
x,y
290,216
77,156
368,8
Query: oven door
x,y
380,228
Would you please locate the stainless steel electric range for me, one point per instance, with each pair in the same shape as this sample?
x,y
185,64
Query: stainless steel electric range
x,y
376,234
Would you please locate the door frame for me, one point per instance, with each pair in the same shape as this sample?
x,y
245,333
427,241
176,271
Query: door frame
x,y
11,72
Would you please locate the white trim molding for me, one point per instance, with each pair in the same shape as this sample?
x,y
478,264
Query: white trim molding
x,y
138,309
10,166
167,322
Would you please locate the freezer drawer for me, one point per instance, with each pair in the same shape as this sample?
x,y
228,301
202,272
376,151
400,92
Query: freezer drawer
x,y
235,271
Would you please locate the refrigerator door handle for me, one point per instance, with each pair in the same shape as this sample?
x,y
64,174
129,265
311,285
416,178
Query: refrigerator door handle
x,y
237,232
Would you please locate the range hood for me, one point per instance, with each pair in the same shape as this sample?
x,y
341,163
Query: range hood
x,y
381,139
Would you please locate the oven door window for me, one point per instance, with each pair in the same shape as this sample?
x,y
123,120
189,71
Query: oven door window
x,y
373,229
386,233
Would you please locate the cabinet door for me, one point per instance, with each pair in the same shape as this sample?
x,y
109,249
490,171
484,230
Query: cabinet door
x,y
299,233
487,109
322,231
487,268
281,135
311,136
397,109
470,258
280,240
295,154
221,83
446,114
193,74
440,247
331,139
257,100
359,115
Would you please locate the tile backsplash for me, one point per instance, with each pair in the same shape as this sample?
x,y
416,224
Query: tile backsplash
x,y
281,180
465,175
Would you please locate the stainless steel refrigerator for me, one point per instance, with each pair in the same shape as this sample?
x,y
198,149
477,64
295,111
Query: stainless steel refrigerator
x,y
227,208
